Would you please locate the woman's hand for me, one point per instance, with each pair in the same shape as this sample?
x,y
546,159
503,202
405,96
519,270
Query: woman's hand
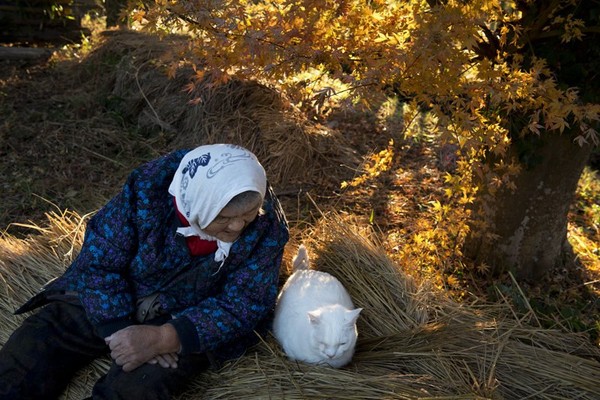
x,y
138,344
168,360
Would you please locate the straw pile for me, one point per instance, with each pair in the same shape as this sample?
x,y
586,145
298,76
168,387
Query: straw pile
x,y
85,125
186,110
413,343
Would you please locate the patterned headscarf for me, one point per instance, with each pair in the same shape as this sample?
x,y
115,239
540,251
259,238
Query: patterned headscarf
x,y
206,180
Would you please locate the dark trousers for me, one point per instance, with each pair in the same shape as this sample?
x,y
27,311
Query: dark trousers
x,y
41,357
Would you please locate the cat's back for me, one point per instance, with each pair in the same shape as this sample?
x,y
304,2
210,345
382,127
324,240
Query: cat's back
x,y
310,280
307,288
313,288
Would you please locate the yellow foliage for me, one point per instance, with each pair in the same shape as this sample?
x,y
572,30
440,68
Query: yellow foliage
x,y
429,52
377,164
461,61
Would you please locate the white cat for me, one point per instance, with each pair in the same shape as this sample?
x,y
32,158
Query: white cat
x,y
315,320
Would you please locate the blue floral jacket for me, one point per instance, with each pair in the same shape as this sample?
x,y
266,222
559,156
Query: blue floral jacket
x,y
131,250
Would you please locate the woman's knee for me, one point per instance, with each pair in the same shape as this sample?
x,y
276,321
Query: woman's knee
x,y
148,382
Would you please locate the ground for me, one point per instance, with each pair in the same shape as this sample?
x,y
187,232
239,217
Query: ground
x,y
64,143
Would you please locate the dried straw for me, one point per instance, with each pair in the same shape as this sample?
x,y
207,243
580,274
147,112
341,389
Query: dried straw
x,y
188,111
413,343
391,301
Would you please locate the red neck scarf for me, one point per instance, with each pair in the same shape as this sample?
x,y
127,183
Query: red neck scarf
x,y
197,246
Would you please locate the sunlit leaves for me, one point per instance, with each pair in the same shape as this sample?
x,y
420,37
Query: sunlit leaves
x,y
572,27
468,67
378,163
431,54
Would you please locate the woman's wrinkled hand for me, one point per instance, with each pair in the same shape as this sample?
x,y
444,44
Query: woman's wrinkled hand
x,y
138,344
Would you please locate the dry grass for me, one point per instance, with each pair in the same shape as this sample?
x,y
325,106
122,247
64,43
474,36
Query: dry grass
x,y
189,110
413,342
391,300
71,134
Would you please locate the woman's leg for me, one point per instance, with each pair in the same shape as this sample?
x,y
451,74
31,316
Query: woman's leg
x,y
149,381
43,354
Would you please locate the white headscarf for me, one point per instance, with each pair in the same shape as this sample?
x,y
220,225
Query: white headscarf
x,y
206,180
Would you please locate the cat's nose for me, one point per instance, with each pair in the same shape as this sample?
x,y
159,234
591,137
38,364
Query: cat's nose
x,y
330,353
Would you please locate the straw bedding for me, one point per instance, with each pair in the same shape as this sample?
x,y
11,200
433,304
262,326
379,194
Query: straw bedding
x,y
413,342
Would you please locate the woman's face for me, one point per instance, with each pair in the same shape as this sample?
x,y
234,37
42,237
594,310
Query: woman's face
x,y
231,221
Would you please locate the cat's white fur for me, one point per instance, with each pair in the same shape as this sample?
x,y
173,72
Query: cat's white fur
x,y
315,320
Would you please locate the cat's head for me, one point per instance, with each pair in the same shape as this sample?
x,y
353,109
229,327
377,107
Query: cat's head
x,y
334,331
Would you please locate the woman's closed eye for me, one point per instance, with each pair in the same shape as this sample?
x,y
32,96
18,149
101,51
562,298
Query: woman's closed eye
x,y
248,217
221,220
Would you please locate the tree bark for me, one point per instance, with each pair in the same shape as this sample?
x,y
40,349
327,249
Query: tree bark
x,y
525,230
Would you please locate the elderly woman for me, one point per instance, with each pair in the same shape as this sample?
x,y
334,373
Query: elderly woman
x,y
175,273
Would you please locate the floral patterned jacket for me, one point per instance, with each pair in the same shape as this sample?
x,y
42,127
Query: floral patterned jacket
x,y
131,250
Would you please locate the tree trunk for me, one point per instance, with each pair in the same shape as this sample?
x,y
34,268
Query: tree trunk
x,y
528,226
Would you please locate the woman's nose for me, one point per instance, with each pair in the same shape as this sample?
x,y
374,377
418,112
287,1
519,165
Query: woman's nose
x,y
236,224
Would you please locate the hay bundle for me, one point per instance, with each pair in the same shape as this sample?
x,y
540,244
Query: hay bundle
x,y
391,301
186,110
412,344
27,264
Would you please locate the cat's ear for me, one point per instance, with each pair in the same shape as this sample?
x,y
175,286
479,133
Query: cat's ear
x,y
352,315
314,317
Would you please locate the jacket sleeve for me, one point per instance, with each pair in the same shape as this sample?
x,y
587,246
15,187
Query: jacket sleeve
x,y
101,267
247,296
